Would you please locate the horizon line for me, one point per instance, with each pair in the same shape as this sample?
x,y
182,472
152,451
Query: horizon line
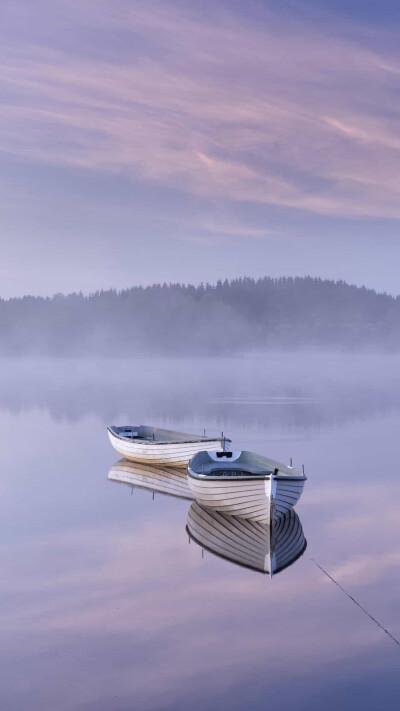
x,y
205,284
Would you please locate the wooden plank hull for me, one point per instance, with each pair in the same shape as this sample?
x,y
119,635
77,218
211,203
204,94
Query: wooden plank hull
x,y
252,499
168,480
267,549
168,454
287,493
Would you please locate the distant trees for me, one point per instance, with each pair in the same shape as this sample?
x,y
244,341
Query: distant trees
x,y
228,317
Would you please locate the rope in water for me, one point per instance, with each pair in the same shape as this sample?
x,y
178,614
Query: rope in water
x,y
396,641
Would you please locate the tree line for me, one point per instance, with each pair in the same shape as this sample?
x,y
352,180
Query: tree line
x,y
235,316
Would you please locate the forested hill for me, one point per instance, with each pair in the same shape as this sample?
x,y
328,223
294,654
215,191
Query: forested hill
x,y
228,317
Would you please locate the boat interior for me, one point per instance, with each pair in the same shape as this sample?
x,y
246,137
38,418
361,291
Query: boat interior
x,y
143,433
244,463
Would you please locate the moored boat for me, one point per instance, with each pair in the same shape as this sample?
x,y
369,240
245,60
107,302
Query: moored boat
x,y
244,484
157,446
169,480
267,549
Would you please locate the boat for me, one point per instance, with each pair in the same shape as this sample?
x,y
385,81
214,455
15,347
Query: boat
x,y
169,480
244,484
158,446
266,549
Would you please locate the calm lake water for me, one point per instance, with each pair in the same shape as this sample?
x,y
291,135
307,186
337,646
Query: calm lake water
x,y
104,603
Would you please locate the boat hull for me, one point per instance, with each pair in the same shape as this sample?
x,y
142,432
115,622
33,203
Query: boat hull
x,y
253,499
175,454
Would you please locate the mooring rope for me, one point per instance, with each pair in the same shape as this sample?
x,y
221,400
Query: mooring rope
x,y
357,603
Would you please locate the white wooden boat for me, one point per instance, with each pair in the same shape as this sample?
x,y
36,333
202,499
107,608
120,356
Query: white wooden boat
x,y
169,480
156,446
244,484
267,549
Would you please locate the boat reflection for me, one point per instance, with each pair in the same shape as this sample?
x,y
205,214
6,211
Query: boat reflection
x,y
267,549
163,480
254,545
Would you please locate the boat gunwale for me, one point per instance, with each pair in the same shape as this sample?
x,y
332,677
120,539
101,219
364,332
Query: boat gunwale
x,y
246,477
145,441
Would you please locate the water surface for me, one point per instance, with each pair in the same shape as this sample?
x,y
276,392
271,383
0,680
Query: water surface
x,y
104,602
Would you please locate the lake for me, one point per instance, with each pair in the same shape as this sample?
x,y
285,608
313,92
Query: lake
x,y
107,605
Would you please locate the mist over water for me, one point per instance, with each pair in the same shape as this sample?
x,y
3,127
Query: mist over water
x,y
106,605
299,389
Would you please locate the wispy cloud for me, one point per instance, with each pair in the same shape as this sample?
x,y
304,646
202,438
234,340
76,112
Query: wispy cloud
x,y
222,109
362,569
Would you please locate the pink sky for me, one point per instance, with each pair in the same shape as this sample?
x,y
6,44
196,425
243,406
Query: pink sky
x,y
162,126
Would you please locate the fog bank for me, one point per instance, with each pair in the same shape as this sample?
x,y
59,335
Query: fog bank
x,y
236,317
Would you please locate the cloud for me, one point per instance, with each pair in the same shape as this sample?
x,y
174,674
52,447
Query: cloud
x,y
367,568
217,107
235,229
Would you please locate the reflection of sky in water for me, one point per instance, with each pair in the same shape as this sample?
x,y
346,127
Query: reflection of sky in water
x,y
106,606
